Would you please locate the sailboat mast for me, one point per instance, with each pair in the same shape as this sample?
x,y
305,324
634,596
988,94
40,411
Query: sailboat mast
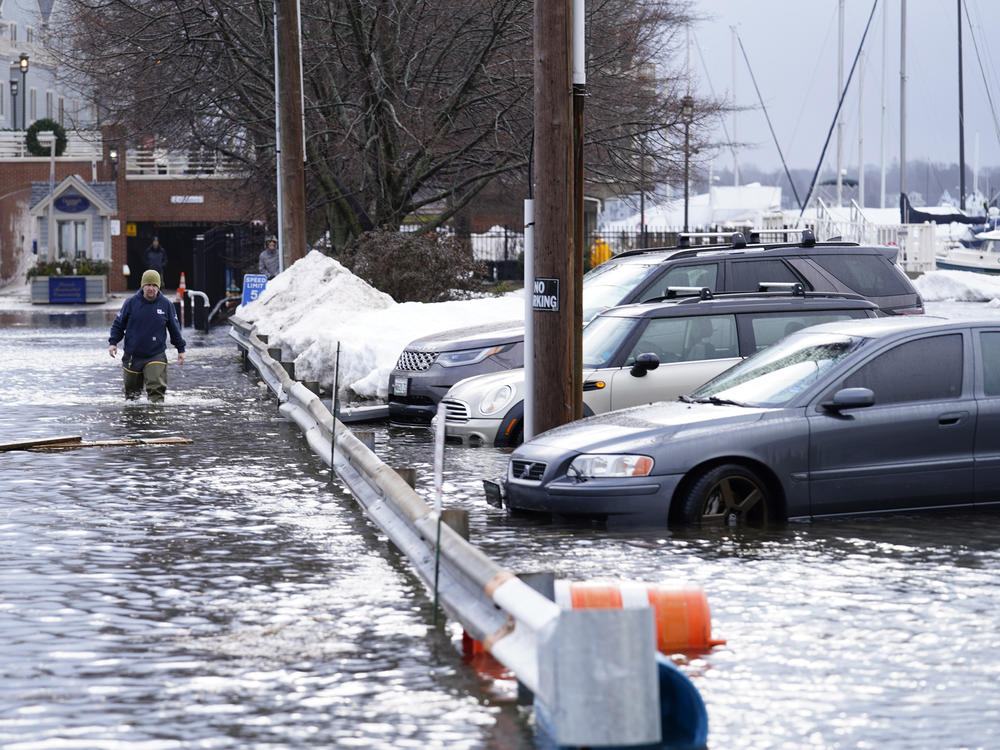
x,y
961,121
902,104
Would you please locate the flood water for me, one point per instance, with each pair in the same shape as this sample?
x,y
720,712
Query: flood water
x,y
225,594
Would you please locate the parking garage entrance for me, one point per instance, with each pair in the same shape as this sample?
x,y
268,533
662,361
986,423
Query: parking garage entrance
x,y
213,257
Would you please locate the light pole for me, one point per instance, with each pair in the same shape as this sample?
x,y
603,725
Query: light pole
x,y
13,103
687,110
23,63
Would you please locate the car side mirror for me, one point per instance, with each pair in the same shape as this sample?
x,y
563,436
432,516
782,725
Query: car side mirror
x,y
850,398
644,363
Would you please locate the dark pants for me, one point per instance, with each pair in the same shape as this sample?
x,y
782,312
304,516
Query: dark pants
x,y
150,372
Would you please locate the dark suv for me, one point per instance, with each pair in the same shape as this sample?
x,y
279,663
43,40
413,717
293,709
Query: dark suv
x,y
429,366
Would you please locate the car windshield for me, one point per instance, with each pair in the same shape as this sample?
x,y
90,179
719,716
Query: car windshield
x,y
774,376
602,338
606,285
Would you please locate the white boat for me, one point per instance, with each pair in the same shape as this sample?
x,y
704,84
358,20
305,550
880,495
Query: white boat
x,y
982,259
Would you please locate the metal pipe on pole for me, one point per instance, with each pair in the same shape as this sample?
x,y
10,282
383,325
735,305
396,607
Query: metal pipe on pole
x,y
555,262
528,423
292,206
579,97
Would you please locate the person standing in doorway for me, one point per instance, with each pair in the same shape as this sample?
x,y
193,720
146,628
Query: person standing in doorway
x,y
154,258
267,261
144,321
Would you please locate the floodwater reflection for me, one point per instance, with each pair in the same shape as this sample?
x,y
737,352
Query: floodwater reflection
x,y
223,593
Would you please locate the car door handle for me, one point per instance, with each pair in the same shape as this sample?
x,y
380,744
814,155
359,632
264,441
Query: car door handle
x,y
952,417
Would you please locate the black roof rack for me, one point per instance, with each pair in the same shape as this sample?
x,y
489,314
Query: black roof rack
x,y
702,292
794,287
693,295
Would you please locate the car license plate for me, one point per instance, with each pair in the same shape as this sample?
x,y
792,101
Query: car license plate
x,y
399,386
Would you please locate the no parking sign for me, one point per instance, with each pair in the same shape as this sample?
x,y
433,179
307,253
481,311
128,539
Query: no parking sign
x,y
253,285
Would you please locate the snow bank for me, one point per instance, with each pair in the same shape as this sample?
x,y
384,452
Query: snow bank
x,y
316,303
958,286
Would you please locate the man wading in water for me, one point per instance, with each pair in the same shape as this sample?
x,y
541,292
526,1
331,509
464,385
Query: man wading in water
x,y
144,321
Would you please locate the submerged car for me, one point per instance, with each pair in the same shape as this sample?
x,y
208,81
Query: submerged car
x,y
428,367
859,416
636,354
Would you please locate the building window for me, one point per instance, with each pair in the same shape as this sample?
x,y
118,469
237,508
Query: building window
x,y
62,111
72,239
13,31
48,104
29,34
33,105
3,98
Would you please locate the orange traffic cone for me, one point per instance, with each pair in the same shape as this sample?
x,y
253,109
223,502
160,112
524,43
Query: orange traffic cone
x,y
181,288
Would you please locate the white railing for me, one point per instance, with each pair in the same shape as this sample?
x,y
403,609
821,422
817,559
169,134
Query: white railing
x,y
153,163
81,145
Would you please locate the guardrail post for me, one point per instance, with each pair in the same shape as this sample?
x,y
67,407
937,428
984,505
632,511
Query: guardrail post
x,y
598,671
408,474
458,520
367,437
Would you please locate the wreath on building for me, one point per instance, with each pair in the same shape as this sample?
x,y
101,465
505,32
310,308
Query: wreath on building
x,y
31,138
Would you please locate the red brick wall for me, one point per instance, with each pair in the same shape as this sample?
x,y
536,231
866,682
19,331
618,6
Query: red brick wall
x,y
139,200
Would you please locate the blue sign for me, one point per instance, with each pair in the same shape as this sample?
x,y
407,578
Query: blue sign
x,y
67,289
72,204
253,285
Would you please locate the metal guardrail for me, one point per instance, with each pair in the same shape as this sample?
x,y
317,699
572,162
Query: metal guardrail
x,y
593,672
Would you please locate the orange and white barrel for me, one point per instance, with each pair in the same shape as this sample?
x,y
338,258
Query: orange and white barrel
x,y
683,620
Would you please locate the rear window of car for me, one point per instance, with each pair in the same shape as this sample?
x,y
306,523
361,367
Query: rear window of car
x,y
868,275
770,327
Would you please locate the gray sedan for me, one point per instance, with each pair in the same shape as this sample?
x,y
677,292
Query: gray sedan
x,y
858,416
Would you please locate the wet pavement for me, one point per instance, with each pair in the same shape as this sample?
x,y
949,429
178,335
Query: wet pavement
x,y
224,594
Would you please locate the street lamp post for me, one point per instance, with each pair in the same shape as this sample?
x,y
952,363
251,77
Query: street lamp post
x,y
23,63
13,103
687,110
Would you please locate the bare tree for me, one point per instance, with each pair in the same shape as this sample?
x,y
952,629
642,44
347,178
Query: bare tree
x,y
412,106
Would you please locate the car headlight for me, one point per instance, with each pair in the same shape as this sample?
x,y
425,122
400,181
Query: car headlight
x,y
466,356
496,400
597,465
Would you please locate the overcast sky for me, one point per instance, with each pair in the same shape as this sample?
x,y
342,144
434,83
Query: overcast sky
x,y
792,48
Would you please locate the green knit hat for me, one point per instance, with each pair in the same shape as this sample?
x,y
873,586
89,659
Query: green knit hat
x,y
150,277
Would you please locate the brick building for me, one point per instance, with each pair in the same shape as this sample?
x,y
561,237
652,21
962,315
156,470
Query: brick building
x,y
204,212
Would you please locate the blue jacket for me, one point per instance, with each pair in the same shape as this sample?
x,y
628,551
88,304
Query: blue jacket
x,y
145,325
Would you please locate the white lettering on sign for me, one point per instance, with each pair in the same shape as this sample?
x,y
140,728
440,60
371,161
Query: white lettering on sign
x,y
187,198
545,295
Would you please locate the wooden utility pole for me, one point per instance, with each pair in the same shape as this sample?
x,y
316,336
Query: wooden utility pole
x,y
292,242
554,295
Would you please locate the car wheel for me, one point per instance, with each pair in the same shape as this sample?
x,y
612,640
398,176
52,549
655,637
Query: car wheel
x,y
729,494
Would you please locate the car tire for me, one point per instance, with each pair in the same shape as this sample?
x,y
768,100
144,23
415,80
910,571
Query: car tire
x,y
729,494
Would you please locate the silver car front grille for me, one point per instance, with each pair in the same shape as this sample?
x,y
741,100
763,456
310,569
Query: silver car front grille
x,y
412,361
455,411
530,470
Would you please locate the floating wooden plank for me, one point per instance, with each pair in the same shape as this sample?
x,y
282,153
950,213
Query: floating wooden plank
x,y
111,443
74,442
23,445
